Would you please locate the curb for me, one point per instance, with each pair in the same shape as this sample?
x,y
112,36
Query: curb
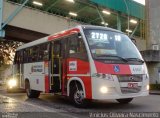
x,y
155,93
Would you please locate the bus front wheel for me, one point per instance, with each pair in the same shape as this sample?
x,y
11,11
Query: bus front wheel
x,y
125,101
31,93
77,96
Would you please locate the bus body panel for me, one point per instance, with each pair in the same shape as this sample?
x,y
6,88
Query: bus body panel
x,y
84,71
85,83
118,69
37,75
114,91
63,34
77,68
118,86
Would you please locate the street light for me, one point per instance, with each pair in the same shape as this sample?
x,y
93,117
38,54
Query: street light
x,y
37,3
73,14
72,1
106,12
104,23
133,21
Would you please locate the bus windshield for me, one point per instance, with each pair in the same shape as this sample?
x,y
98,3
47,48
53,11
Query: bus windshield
x,y
106,44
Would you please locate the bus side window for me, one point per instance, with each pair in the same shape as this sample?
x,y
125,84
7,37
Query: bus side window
x,y
16,58
34,53
73,43
46,52
64,47
43,52
56,49
21,56
77,48
30,55
25,57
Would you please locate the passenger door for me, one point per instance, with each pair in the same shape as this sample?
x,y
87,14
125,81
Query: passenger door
x,y
56,66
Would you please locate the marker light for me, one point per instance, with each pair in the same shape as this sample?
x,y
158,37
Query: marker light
x,y
72,14
37,3
103,89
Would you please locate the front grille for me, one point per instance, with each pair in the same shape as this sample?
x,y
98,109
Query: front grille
x,y
126,90
130,78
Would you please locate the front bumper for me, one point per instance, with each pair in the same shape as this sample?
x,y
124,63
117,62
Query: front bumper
x,y
114,89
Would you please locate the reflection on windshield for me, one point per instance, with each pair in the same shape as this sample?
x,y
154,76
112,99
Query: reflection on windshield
x,y
103,42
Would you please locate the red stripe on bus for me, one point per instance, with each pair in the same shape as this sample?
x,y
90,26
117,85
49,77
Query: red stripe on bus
x,y
64,33
46,84
109,68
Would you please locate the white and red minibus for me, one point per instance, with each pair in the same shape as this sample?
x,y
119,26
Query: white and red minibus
x,y
84,63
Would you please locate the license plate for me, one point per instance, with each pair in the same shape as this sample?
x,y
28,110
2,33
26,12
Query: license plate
x,y
132,85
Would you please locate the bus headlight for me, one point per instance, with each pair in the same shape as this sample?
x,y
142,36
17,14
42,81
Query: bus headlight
x,y
12,83
103,89
103,76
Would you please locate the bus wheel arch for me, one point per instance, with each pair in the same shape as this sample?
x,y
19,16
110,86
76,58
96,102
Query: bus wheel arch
x,y
31,93
27,84
27,87
77,94
72,81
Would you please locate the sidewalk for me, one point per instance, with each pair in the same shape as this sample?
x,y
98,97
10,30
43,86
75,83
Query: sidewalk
x,y
154,92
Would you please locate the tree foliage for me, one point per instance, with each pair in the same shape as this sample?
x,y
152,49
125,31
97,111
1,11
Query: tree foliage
x,y
7,51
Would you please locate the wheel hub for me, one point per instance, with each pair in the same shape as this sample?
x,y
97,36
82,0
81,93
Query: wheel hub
x,y
79,96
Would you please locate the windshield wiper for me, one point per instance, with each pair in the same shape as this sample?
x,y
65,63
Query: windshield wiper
x,y
121,58
135,59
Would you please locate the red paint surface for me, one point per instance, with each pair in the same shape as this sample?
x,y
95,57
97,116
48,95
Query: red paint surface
x,y
64,76
46,84
64,33
88,86
46,64
109,68
82,66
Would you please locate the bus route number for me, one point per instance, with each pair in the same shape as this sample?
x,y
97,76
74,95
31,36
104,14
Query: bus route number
x,y
101,37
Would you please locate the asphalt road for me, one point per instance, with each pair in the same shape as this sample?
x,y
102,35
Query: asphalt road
x,y
61,105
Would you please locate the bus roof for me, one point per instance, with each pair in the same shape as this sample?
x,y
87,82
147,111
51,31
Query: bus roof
x,y
64,33
100,27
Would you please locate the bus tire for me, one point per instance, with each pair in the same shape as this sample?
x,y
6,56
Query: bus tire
x,y
125,101
31,93
77,96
